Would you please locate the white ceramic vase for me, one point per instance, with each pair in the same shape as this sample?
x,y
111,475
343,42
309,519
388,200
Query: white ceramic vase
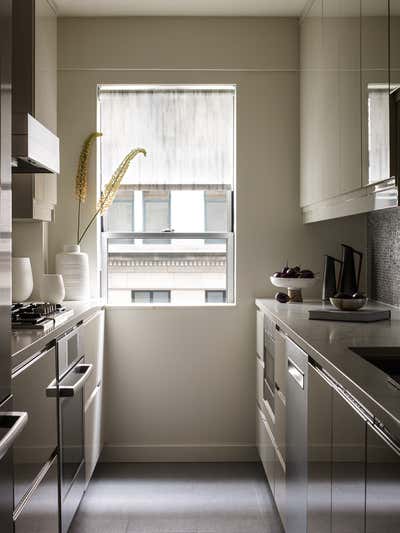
x,y
22,279
52,288
73,265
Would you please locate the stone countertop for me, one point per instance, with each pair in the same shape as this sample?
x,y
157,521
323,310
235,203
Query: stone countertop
x,y
329,342
27,342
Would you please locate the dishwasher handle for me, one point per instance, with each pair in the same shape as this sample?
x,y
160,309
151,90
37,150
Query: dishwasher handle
x,y
296,373
82,372
15,421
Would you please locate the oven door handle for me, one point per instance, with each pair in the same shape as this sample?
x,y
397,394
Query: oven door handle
x,y
82,372
20,421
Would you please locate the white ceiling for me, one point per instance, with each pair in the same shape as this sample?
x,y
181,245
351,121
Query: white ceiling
x,y
109,8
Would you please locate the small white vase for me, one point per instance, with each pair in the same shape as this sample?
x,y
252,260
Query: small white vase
x,y
73,265
52,288
22,279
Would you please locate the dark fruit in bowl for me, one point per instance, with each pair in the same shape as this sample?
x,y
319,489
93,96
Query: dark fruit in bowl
x,y
291,273
297,269
282,298
358,296
343,295
277,275
307,274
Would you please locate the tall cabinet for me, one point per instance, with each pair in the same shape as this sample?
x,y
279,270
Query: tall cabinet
x,y
348,126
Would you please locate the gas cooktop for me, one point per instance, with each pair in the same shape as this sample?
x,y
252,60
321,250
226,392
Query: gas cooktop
x,y
42,316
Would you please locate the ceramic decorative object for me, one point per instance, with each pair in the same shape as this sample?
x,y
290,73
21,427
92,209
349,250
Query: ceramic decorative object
x,y
22,279
73,265
52,288
294,286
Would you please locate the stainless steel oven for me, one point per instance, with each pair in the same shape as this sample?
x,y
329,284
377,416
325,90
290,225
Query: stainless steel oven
x,y
72,373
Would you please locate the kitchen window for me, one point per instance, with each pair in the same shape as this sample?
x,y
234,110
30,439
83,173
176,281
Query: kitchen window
x,y
169,235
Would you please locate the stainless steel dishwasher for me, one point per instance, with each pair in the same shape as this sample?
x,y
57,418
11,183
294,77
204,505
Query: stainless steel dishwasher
x,y
296,438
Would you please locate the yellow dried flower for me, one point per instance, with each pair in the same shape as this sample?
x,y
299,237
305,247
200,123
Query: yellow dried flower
x,y
81,181
111,189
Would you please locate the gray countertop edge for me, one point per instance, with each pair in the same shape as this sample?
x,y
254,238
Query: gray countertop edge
x,y
365,382
27,343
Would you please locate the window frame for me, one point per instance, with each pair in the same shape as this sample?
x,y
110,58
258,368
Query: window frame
x,y
229,237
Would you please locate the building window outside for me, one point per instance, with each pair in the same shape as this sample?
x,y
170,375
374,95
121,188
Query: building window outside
x,y
169,236
121,215
156,214
215,297
150,297
215,213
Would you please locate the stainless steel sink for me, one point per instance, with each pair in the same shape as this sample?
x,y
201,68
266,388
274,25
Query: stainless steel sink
x,y
386,358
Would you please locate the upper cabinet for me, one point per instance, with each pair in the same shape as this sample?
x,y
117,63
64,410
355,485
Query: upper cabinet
x,y
346,108
35,194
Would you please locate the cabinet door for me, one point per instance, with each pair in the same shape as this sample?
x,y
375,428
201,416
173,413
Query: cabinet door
x,y
375,90
260,334
93,432
92,338
348,467
383,484
311,106
266,448
280,363
319,447
349,87
40,512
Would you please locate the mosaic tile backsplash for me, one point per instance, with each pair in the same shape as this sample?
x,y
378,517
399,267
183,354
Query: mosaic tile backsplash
x,y
384,256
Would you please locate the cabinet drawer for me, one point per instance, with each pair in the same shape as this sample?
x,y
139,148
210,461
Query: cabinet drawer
x,y
280,489
266,449
260,334
259,381
92,345
93,432
280,424
40,512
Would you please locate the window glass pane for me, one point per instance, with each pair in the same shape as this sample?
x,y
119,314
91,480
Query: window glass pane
x,y
215,212
183,268
120,216
141,297
215,297
156,212
161,297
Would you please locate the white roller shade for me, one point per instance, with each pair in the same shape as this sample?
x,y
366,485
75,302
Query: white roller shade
x,y
188,134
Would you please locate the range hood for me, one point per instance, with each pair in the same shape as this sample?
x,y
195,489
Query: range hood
x,y
35,149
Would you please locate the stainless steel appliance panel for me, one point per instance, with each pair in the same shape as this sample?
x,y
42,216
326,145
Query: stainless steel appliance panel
x,y
39,513
70,393
35,446
383,482
319,499
296,440
269,363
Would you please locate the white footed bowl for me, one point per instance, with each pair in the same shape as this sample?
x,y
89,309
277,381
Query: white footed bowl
x,y
293,283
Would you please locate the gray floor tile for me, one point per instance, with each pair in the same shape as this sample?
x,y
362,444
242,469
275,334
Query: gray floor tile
x,y
178,498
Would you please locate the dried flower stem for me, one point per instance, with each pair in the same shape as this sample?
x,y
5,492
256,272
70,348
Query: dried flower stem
x,y
111,189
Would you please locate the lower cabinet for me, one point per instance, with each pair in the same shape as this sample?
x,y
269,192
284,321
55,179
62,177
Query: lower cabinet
x,y
93,431
280,488
266,448
39,514
383,483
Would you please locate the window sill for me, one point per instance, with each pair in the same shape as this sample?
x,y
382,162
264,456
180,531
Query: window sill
x,y
170,306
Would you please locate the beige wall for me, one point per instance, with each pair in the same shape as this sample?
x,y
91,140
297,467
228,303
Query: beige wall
x,y
180,383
